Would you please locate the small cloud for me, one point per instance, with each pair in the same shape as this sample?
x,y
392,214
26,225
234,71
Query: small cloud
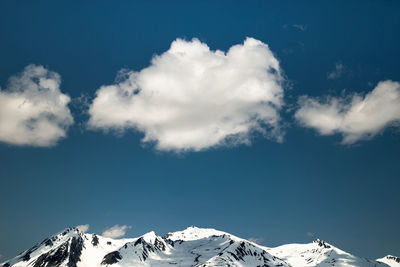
x,y
33,110
83,228
310,234
257,240
337,72
356,116
116,231
300,27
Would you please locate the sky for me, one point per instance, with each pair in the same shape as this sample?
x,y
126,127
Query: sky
x,y
271,120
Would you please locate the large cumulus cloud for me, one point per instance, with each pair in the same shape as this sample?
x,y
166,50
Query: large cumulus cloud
x,y
193,98
33,111
355,117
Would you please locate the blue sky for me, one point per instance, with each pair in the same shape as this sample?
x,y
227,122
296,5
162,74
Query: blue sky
x,y
312,184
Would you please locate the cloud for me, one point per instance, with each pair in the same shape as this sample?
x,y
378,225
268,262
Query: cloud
x,y
355,117
309,234
116,231
192,98
256,240
83,228
337,72
300,27
33,111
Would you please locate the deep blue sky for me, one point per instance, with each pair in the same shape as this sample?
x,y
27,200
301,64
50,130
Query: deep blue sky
x,y
347,195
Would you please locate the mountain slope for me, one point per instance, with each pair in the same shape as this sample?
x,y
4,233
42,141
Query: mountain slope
x,y
67,248
193,246
319,253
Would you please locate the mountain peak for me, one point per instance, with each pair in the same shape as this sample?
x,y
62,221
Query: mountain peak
x,y
390,260
194,233
321,243
150,237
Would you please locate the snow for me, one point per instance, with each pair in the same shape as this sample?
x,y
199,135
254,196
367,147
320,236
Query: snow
x,y
93,255
390,260
194,233
318,253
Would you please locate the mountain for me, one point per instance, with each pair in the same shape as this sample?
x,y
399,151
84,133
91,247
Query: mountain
x,y
197,247
319,253
390,260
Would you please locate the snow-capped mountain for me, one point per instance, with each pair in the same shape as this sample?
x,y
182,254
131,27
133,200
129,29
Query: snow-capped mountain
x,y
197,247
390,260
319,253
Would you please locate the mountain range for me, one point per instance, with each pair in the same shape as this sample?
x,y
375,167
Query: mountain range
x,y
197,247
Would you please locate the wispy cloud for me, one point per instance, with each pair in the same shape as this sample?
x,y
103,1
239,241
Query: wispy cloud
x,y
310,234
191,98
83,228
356,117
116,231
337,72
300,27
33,111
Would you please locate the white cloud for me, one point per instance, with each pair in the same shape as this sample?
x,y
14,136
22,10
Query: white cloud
x,y
83,228
300,27
191,98
33,111
116,231
310,234
337,72
356,117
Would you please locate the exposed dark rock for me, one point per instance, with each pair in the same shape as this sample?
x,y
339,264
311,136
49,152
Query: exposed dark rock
x,y
159,244
95,240
75,251
321,243
53,257
27,255
66,231
148,247
139,241
396,259
48,242
111,258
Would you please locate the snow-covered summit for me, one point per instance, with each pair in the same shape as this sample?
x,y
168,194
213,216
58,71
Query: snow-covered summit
x,y
319,253
194,233
150,237
390,260
321,243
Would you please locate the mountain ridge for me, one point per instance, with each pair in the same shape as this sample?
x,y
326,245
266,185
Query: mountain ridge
x,y
193,246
